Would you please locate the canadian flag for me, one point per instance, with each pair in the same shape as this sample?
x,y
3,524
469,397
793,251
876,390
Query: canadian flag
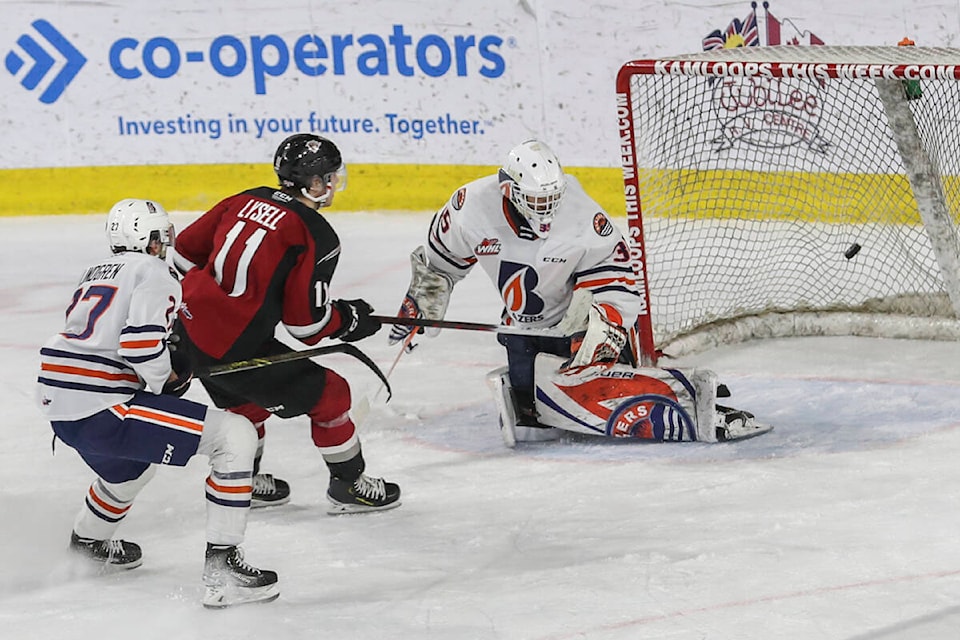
x,y
784,32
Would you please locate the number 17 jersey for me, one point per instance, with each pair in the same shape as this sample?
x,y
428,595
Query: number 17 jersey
x,y
113,341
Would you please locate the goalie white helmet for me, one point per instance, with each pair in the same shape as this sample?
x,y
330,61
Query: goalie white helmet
x,y
133,223
533,181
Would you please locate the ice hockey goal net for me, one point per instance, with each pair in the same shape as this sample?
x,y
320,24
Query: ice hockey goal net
x,y
778,191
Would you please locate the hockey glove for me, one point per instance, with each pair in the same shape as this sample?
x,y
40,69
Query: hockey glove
x,y
603,340
427,297
181,368
408,309
355,321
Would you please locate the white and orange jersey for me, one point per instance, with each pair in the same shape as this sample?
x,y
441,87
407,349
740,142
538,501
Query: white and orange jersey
x,y
114,340
536,276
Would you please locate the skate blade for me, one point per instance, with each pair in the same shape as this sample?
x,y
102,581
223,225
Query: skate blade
x,y
730,435
265,504
79,566
523,433
223,597
339,508
109,567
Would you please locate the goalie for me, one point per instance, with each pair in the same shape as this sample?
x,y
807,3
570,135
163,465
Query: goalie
x,y
564,273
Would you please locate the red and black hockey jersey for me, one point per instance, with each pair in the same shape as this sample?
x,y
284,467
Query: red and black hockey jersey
x,y
254,260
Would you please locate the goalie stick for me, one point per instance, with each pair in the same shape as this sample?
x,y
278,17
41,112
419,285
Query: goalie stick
x,y
291,356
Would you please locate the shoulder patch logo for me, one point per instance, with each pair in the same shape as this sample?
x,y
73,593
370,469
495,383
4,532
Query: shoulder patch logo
x,y
489,247
602,224
458,199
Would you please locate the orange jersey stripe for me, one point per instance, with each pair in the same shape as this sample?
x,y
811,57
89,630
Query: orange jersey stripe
x,y
241,489
605,281
138,344
193,425
105,506
90,373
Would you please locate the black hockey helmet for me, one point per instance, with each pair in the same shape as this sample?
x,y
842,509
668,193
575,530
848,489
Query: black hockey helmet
x,y
304,155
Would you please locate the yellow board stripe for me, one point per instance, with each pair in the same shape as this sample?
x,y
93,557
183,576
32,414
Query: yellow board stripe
x,y
370,187
848,198
861,198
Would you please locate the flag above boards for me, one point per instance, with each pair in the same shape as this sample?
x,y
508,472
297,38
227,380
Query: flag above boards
x,y
761,29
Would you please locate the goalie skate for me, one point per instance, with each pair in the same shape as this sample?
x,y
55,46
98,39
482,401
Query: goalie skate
x,y
733,424
514,428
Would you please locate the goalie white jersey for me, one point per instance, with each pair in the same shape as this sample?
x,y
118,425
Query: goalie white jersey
x,y
114,341
536,277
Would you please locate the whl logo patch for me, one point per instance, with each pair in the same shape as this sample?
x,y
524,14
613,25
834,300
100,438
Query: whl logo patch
x,y
42,58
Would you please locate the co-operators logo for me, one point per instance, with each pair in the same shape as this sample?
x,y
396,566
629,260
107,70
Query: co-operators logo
x,y
41,57
48,58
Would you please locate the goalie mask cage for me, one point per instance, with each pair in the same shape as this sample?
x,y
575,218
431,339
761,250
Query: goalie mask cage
x,y
787,191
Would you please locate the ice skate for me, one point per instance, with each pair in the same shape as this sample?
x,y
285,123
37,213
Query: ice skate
x,y
529,429
269,491
110,554
229,581
517,423
733,424
361,495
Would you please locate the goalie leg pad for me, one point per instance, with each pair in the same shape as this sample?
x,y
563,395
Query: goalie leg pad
x,y
647,403
617,400
499,382
704,384
500,388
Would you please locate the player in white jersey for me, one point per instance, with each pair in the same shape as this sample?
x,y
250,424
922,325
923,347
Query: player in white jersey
x,y
110,387
564,273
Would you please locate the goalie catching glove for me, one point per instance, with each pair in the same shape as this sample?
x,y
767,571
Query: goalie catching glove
x,y
603,341
427,297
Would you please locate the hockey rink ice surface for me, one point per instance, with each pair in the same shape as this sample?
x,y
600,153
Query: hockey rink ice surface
x,y
841,524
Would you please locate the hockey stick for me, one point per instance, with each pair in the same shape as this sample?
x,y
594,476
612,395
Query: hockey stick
x,y
361,408
292,356
574,320
468,326
439,324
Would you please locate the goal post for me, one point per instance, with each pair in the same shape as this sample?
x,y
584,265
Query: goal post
x,y
789,190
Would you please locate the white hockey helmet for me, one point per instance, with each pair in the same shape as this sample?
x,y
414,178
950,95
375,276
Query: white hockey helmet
x,y
533,180
132,223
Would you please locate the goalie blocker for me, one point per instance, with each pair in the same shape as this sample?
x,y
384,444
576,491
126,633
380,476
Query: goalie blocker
x,y
620,401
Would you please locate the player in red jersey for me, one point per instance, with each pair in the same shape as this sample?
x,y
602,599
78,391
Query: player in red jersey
x,y
267,256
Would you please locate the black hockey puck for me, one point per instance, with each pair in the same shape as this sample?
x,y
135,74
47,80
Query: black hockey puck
x,y
853,250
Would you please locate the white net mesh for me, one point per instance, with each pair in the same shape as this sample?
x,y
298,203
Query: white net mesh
x,y
763,194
